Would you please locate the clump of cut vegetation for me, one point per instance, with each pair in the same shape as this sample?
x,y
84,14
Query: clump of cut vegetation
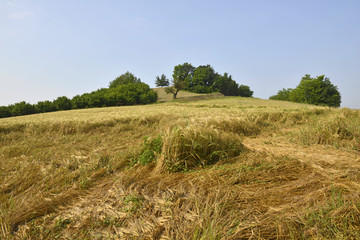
x,y
194,146
238,126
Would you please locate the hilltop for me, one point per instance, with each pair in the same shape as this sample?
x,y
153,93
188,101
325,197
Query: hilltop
x,y
201,167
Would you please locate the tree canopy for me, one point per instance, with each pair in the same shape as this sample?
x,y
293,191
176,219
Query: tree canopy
x,y
283,95
125,78
204,79
317,91
177,85
162,81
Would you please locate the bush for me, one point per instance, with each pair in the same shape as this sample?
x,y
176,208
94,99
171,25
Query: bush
x,y
317,91
125,94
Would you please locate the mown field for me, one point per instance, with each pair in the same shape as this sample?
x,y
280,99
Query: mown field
x,y
219,168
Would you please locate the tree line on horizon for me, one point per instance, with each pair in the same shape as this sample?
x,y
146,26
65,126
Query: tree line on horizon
x,y
127,89
317,91
124,90
201,79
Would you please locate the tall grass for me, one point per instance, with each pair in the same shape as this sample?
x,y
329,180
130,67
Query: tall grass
x,y
186,148
340,130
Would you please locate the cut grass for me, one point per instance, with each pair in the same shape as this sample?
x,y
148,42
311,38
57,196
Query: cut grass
x,y
210,169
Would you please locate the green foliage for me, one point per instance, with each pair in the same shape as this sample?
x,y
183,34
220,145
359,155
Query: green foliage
x,y
22,108
62,103
133,202
5,112
317,91
45,106
123,94
184,73
336,219
126,78
244,91
149,151
162,81
204,79
61,223
226,85
177,86
283,95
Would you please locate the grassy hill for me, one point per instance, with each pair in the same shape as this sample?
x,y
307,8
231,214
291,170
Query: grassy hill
x,y
222,168
183,95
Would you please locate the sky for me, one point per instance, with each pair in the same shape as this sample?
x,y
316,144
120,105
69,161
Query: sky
x,y
52,48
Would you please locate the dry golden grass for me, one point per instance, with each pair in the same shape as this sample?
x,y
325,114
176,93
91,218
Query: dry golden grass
x,y
222,168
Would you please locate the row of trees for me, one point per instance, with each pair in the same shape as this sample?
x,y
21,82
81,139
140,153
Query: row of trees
x,y
317,91
202,79
124,90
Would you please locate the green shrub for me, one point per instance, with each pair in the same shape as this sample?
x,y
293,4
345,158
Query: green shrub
x,y
151,148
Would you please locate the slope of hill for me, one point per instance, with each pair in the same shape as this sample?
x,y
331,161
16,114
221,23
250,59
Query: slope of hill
x,y
183,95
223,168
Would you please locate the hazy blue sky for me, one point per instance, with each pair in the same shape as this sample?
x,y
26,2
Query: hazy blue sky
x,y
51,48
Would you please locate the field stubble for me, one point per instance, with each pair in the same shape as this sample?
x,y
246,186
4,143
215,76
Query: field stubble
x,y
226,168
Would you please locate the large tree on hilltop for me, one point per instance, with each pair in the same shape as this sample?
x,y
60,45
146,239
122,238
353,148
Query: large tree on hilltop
x,y
184,73
125,78
203,79
177,86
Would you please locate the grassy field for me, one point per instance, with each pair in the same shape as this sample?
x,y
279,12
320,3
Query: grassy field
x,y
183,95
219,168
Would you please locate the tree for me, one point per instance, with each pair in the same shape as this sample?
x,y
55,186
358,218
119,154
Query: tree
x,y
5,112
81,101
203,79
244,91
317,91
45,106
162,81
184,73
226,85
63,103
283,95
177,86
125,78
22,108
